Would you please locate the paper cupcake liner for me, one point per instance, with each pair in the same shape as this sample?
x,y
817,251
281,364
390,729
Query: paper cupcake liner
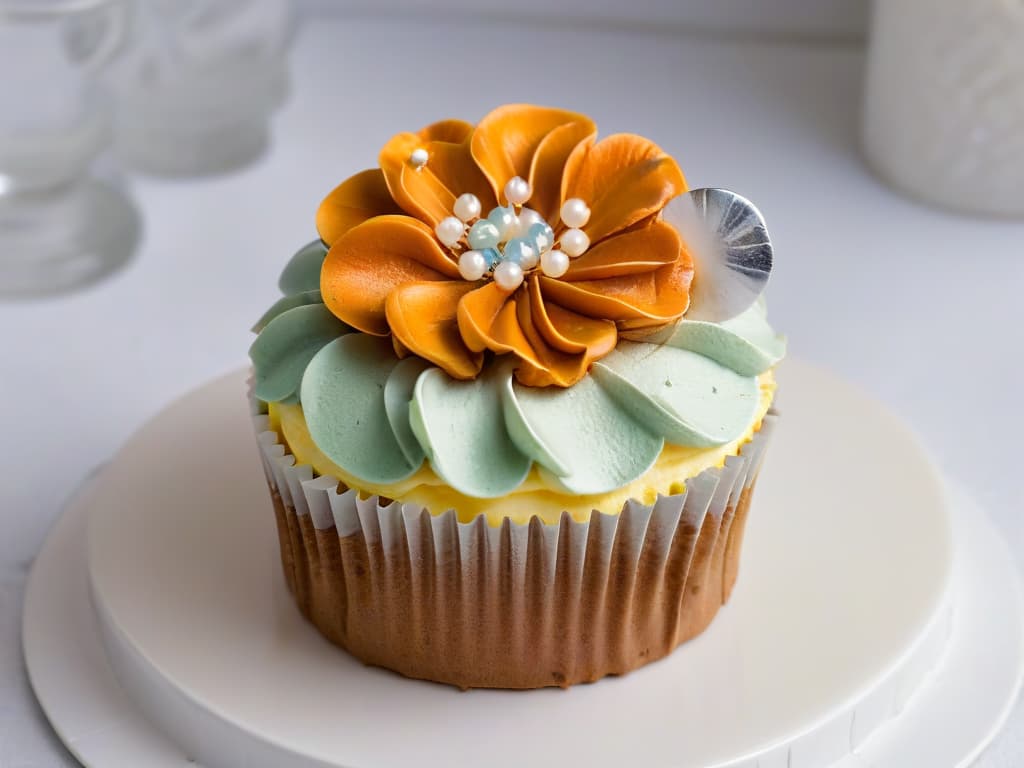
x,y
514,606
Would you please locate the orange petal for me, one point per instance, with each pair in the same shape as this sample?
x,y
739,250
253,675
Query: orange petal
x,y
641,300
546,366
401,351
374,258
429,192
352,202
528,141
623,178
453,131
548,166
478,315
568,331
422,317
550,374
641,250
489,318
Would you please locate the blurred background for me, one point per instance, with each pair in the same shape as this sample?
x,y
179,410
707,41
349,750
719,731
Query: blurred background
x,y
160,160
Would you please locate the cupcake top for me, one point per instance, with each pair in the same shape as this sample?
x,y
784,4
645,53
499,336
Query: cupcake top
x,y
519,306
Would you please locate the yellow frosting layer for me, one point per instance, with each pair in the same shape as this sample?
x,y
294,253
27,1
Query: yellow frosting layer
x,y
535,496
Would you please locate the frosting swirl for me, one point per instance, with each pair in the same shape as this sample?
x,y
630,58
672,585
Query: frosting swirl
x,y
502,348
379,418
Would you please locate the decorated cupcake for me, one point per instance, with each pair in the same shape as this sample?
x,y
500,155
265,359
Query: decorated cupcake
x,y
514,401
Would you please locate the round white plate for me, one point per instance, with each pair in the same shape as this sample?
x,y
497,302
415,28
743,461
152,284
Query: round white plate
x,y
841,611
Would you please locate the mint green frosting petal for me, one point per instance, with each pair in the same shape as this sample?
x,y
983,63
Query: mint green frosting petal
x,y
745,343
285,303
398,392
302,273
525,437
378,417
344,404
596,446
685,397
461,426
284,348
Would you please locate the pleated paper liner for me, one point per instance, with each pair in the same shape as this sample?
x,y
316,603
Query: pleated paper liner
x,y
515,606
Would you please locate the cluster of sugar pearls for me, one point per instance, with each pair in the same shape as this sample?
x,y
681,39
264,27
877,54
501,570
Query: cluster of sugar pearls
x,y
512,240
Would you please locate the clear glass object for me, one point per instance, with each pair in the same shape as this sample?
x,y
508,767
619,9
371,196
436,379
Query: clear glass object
x,y
197,87
59,226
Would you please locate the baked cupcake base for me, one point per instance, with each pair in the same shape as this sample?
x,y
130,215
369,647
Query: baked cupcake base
x,y
515,606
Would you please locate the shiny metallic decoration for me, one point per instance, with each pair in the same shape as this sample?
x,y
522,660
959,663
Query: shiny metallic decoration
x,y
732,253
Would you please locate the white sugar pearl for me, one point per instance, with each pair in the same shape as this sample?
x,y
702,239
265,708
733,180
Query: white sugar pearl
x,y
472,265
419,157
575,213
527,218
574,242
467,207
449,231
517,191
508,275
554,263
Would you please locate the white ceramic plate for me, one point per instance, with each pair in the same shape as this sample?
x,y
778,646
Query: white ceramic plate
x,y
840,614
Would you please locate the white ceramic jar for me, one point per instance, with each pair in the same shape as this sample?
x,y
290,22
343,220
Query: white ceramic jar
x,y
944,103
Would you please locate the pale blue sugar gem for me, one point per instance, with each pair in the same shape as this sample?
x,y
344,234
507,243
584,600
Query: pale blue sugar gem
x,y
483,235
541,236
493,256
505,220
518,250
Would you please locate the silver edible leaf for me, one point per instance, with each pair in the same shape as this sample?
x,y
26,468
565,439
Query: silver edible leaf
x,y
732,254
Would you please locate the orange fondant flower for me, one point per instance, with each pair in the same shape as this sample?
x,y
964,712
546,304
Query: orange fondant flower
x,y
448,247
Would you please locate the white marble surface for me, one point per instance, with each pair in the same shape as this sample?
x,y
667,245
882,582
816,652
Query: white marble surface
x,y
919,307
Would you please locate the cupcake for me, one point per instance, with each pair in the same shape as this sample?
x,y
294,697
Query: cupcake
x,y
513,403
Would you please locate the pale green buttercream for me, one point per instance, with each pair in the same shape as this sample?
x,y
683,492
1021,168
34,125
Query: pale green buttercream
x,y
598,445
745,343
284,348
461,426
344,403
376,417
285,303
687,398
398,392
302,273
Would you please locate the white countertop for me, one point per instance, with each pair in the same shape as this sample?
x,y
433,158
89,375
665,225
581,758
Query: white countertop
x,y
919,307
